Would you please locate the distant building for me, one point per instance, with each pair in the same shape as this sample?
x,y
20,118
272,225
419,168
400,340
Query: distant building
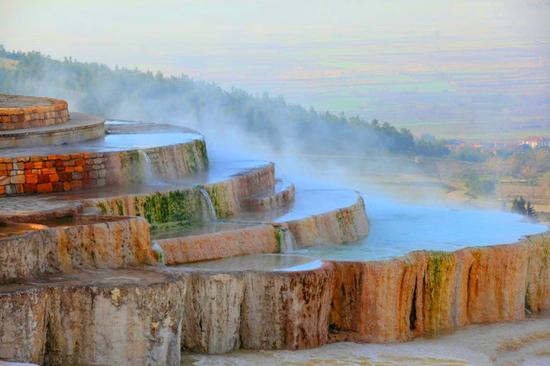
x,y
535,142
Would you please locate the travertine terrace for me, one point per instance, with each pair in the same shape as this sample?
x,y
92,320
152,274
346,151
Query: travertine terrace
x,y
106,250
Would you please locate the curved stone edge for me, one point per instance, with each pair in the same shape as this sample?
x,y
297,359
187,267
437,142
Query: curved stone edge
x,y
275,201
51,211
34,116
97,242
75,171
431,292
343,225
230,243
107,317
188,204
85,128
224,311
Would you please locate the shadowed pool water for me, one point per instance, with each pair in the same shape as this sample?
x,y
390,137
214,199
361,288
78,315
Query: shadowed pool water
x,y
396,229
110,142
258,262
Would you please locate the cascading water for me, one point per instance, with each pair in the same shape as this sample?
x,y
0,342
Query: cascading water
x,y
158,251
289,242
210,214
147,173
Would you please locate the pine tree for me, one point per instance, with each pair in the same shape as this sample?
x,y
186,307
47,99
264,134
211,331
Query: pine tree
x,y
530,210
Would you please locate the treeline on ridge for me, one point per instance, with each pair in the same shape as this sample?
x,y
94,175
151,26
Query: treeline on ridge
x,y
132,94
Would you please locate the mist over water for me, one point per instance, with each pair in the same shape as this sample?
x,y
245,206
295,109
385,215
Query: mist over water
x,y
416,218
420,65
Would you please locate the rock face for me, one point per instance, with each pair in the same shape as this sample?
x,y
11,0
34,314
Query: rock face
x,y
538,272
90,243
188,205
226,311
127,318
213,312
145,316
22,323
273,200
110,317
430,292
70,172
243,241
167,162
286,310
344,225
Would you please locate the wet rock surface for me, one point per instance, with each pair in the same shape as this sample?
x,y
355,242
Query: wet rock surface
x,y
90,242
84,284
432,292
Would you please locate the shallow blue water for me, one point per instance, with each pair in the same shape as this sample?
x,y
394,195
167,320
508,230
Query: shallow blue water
x,y
110,142
396,229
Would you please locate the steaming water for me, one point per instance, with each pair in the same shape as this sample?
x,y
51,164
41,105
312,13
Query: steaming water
x,y
158,251
146,167
110,142
396,229
210,209
289,242
258,262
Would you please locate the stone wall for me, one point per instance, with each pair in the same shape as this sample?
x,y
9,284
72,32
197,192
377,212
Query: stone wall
x,y
223,244
274,201
432,292
188,205
69,172
95,242
51,112
145,316
344,225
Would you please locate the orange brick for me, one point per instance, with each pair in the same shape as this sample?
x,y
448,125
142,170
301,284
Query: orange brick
x,y
44,187
28,165
2,190
17,179
49,171
37,164
54,178
30,188
76,184
66,186
29,178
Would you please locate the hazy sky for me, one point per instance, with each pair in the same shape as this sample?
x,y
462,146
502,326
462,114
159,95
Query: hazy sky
x,y
406,61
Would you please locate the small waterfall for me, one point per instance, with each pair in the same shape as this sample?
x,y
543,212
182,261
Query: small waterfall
x,y
210,210
158,251
147,174
289,242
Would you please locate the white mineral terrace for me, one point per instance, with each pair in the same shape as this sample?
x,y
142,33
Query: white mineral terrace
x,y
225,257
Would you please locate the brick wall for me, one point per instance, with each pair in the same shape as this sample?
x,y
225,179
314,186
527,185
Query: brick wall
x,y
34,116
52,173
69,172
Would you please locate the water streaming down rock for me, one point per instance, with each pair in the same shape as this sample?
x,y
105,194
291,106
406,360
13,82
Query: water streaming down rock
x,y
210,213
161,257
146,167
289,241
